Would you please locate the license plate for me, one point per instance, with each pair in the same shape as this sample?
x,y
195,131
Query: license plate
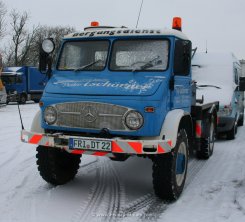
x,y
84,144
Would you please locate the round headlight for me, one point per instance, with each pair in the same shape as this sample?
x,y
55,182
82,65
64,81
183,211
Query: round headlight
x,y
50,115
134,120
48,46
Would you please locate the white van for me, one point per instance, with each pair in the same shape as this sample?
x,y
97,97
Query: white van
x,y
218,76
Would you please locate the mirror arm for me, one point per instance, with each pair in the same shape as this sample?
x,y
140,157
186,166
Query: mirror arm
x,y
49,63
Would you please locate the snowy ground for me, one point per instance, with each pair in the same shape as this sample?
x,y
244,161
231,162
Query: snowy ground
x,y
115,191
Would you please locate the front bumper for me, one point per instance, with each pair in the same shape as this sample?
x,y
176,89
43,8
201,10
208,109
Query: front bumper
x,y
119,145
12,97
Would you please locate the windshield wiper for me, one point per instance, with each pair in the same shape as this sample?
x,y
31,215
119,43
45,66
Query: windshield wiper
x,y
217,87
149,64
88,65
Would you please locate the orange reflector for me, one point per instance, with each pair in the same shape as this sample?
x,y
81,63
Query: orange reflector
x,y
149,109
177,23
41,103
95,24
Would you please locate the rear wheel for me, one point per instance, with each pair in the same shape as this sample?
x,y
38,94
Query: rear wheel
x,y
56,166
169,170
207,144
240,121
230,135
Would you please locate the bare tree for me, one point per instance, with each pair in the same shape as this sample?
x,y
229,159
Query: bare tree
x,y
18,23
22,40
3,12
23,49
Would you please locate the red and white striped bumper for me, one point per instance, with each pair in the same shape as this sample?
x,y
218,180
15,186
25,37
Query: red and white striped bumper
x,y
119,145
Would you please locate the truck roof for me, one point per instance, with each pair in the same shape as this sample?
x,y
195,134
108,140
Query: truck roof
x,y
13,70
119,32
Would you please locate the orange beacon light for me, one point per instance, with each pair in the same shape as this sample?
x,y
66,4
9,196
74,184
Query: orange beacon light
x,y
177,23
94,23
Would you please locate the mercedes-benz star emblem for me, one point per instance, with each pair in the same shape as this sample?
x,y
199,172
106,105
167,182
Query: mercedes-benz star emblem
x,y
89,113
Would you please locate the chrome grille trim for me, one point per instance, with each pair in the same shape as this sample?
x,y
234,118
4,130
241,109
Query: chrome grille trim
x,y
91,115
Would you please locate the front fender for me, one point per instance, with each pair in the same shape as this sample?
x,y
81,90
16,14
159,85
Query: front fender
x,y
36,123
171,125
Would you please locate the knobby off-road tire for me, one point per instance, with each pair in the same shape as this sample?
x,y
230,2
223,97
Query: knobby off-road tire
x,y
207,144
56,166
167,182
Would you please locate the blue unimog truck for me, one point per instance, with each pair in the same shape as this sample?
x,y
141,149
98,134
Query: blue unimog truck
x,y
120,92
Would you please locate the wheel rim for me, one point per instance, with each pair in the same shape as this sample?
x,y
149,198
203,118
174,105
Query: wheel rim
x,y
181,164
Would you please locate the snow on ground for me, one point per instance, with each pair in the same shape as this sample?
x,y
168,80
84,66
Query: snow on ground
x,y
105,190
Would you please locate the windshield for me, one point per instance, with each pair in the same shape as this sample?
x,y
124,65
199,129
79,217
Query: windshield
x,y
140,55
84,55
8,80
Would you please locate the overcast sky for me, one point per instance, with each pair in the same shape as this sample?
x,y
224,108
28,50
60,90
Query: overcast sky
x,y
220,23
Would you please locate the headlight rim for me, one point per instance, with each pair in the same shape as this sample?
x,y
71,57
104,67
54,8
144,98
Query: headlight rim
x,y
56,115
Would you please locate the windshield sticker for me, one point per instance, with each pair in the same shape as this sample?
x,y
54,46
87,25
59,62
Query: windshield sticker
x,y
130,86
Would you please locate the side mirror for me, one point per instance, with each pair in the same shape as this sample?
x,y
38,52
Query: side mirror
x,y
242,84
45,59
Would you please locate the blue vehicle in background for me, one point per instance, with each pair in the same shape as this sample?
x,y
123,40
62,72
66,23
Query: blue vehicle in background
x,y
118,93
23,84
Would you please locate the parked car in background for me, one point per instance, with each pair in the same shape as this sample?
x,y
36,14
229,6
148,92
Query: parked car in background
x,y
218,77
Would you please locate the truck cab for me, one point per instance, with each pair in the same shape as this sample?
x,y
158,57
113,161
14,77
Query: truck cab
x,y
127,73
23,83
120,92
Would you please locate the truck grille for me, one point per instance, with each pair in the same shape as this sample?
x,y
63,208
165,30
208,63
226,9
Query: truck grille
x,y
91,115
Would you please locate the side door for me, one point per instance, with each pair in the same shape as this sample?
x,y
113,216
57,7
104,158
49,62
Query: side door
x,y
180,83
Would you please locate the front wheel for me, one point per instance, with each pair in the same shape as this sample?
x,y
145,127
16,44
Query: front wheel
x,y
22,99
57,166
169,170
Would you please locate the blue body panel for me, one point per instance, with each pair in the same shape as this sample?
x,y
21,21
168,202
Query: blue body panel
x,y
135,90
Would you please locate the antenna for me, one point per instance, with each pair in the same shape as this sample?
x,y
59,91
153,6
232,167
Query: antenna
x,y
22,126
206,46
139,13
